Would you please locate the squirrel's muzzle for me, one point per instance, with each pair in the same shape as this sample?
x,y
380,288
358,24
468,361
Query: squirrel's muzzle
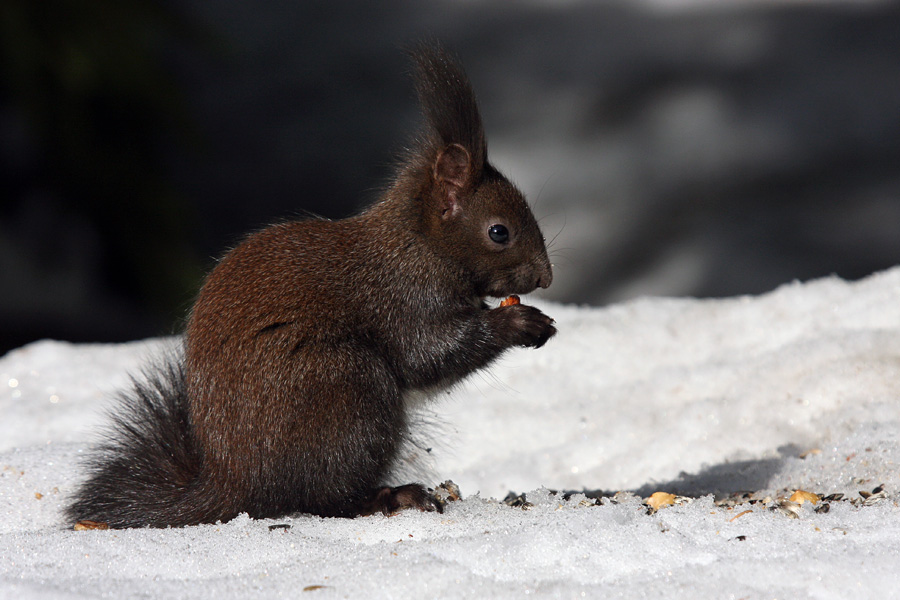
x,y
544,272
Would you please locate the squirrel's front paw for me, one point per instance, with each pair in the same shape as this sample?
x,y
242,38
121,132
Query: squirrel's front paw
x,y
526,325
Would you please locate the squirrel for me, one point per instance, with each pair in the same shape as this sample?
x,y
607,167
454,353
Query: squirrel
x,y
287,394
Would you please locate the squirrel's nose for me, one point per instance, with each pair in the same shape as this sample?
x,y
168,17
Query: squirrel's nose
x,y
544,275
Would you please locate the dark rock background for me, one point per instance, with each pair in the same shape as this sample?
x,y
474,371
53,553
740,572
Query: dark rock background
x,y
677,148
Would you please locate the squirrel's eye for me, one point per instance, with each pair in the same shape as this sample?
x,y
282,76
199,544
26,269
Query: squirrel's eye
x,y
498,233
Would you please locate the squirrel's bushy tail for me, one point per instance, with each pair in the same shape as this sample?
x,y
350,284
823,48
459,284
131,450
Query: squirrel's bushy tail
x,y
147,470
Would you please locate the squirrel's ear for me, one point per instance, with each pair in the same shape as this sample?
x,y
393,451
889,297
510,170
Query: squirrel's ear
x,y
452,173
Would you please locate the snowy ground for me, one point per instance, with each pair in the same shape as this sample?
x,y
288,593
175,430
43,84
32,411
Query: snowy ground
x,y
796,389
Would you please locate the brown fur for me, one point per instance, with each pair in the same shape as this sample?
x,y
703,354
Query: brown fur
x,y
306,337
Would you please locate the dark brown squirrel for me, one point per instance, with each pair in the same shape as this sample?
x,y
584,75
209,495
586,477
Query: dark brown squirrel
x,y
307,336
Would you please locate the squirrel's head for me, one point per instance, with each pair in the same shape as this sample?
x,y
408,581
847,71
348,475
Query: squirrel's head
x,y
477,217
483,223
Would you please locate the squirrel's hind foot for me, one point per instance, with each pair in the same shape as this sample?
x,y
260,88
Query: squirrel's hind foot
x,y
390,500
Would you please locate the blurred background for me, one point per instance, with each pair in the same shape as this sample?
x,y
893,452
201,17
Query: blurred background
x,y
669,147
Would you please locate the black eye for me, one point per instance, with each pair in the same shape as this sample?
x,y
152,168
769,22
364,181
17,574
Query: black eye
x,y
498,233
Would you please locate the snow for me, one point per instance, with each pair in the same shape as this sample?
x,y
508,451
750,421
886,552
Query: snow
x,y
795,389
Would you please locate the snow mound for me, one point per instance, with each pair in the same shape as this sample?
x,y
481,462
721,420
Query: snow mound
x,y
731,405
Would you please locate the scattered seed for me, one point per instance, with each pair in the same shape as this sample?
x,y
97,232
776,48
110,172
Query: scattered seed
x,y
739,515
876,495
801,496
657,500
517,501
88,525
787,508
